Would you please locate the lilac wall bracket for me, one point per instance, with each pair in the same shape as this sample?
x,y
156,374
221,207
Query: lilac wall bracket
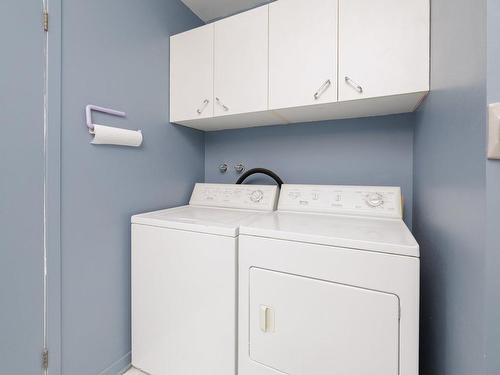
x,y
88,112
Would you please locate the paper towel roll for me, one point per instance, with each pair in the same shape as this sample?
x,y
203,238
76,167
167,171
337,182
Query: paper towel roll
x,y
107,135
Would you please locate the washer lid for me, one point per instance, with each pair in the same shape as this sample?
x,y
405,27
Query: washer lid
x,y
355,232
220,221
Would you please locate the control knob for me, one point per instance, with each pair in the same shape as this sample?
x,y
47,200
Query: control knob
x,y
374,200
256,196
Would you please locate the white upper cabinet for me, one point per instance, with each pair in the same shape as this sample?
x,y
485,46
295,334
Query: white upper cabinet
x,y
302,61
241,63
192,74
383,48
302,52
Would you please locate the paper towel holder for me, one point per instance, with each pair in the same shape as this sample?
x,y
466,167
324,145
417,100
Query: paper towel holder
x,y
88,111
109,135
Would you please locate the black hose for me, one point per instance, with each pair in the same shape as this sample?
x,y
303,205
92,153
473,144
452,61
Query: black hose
x,y
267,172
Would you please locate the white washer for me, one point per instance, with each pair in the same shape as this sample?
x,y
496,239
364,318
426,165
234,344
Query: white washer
x,y
329,284
184,277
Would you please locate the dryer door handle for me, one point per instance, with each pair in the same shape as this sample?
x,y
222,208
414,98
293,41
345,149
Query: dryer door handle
x,y
266,318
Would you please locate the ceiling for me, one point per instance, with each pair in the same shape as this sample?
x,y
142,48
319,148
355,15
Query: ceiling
x,y
209,10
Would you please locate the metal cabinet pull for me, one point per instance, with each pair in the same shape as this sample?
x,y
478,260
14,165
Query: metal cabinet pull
x,y
353,84
322,89
205,104
224,107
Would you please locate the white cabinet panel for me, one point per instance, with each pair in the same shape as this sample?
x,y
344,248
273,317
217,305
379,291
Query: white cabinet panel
x,y
191,74
241,63
302,53
383,48
183,302
304,326
300,61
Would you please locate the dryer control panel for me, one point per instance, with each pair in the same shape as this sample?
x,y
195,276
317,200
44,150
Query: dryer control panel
x,y
378,201
253,197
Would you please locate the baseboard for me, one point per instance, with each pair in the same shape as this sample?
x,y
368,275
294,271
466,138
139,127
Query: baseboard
x,y
119,366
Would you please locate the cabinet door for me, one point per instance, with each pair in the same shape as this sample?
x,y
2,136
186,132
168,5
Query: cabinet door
x,y
191,74
302,53
241,63
305,326
383,47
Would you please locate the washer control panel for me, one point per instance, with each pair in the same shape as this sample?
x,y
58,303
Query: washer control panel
x,y
351,200
254,197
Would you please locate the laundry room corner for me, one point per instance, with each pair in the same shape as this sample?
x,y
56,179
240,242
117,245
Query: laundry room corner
x,y
250,187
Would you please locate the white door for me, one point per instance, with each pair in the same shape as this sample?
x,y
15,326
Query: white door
x,y
304,326
383,47
191,74
241,63
302,53
183,302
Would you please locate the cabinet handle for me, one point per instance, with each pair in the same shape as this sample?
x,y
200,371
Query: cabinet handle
x,y
322,89
205,104
353,84
224,107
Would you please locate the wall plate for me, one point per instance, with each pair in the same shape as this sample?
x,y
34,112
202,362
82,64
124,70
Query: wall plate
x,y
494,131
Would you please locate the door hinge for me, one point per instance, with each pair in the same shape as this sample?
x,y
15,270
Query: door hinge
x,y
45,359
45,20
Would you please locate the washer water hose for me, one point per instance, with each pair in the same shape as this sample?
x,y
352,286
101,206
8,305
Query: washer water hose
x,y
267,172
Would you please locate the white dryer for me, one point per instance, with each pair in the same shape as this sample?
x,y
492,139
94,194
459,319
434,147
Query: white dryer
x,y
329,284
184,277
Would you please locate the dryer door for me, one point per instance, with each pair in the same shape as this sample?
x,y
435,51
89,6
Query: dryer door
x,y
304,326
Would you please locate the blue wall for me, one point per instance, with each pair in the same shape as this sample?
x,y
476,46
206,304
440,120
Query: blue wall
x,y
449,191
21,188
371,151
493,204
115,53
